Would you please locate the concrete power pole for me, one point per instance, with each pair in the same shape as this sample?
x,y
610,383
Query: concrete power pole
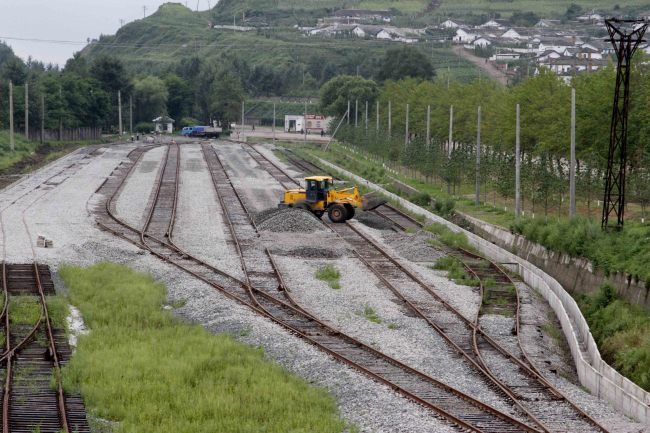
x,y
356,113
478,158
131,114
377,116
42,118
243,114
366,116
406,133
27,111
451,132
390,119
119,111
428,125
518,166
60,115
305,123
274,122
572,170
12,142
348,111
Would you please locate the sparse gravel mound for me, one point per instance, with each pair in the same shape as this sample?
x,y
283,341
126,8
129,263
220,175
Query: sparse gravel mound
x,y
413,247
288,220
316,253
373,220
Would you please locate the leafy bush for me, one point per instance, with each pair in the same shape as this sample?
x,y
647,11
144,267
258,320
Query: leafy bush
x,y
444,208
144,127
622,332
421,199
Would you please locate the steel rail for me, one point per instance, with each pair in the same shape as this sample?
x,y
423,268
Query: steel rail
x,y
253,224
290,312
529,366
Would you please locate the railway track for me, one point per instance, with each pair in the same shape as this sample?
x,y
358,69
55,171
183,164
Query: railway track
x,y
33,398
449,404
517,377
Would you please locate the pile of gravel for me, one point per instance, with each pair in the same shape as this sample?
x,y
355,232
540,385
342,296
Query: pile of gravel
x,y
288,220
373,220
413,247
315,253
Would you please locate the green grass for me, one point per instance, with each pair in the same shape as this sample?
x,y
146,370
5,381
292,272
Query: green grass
x,y
371,315
24,310
456,271
149,372
622,332
330,275
448,237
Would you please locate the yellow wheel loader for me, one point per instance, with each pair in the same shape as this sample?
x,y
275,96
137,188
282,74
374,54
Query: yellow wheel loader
x,y
319,196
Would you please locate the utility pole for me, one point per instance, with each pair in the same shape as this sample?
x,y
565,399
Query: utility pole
x,y
119,109
243,114
348,112
305,123
12,142
61,115
478,157
448,76
356,113
428,125
366,116
377,116
406,134
42,118
390,119
274,122
518,165
451,132
131,114
27,111
572,169
144,12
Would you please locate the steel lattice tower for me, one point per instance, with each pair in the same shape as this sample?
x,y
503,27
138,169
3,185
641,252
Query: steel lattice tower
x,y
625,36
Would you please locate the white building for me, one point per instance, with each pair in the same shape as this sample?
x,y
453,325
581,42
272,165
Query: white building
x,y
464,36
163,124
449,24
315,123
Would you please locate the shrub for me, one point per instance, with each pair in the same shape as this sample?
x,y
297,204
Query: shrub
x,y
144,127
448,237
421,199
444,208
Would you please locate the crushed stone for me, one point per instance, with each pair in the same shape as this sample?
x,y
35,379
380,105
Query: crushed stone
x,y
289,220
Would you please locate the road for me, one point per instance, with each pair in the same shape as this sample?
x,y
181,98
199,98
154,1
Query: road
x,y
488,67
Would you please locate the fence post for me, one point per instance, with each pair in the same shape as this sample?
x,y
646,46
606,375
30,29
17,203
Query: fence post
x,y
356,113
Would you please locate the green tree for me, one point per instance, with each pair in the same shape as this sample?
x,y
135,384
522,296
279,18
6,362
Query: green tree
x,y
111,74
336,93
181,97
227,95
406,62
150,95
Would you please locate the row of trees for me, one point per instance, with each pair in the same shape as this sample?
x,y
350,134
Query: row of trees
x,y
545,102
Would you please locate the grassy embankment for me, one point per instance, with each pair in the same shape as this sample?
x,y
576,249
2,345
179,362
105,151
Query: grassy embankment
x,y
29,155
621,330
149,372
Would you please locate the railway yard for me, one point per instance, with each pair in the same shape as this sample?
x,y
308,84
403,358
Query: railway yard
x,y
401,344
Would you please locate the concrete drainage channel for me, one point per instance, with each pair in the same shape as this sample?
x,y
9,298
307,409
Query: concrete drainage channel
x,y
594,373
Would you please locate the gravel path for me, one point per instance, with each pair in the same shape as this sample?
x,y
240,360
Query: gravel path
x,y
138,189
200,228
399,334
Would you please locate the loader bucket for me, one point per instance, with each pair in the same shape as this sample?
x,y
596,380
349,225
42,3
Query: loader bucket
x,y
371,201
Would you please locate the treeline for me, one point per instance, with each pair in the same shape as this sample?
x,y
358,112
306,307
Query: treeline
x,y
545,103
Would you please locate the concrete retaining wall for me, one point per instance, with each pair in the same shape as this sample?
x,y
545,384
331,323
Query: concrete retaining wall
x,y
576,274
594,373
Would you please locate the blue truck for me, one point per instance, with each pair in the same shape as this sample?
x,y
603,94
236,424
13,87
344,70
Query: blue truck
x,y
201,131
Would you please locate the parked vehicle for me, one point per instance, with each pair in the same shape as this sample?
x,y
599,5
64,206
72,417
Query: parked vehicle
x,y
201,131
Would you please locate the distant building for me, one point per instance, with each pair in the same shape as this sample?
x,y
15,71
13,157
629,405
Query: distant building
x,y
359,15
315,123
163,124
449,24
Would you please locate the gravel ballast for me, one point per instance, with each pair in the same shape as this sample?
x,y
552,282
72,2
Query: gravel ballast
x,y
289,220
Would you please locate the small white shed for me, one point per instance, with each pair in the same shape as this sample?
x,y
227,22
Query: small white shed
x,y
164,124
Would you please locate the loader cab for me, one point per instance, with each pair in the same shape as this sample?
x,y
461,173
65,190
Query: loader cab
x,y
317,187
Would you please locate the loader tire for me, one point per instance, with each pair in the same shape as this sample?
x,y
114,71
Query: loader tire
x,y
349,212
319,213
303,205
337,213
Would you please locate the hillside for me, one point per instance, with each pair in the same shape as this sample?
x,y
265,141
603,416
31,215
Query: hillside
x,y
159,43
